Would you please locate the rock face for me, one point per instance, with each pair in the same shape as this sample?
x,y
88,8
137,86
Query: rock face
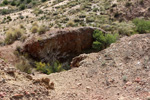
x,y
59,44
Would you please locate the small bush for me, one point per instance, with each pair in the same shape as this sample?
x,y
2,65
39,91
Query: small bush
x,y
34,29
124,28
13,34
22,7
48,69
13,3
43,0
142,26
42,29
24,66
5,11
70,24
102,40
5,2
28,1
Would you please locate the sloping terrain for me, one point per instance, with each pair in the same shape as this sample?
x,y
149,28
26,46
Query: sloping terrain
x,y
16,85
120,72
36,33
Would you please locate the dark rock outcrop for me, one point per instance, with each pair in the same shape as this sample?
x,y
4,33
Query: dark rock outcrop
x,y
59,44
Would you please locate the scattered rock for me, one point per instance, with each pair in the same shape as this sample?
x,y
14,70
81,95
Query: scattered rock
x,y
79,84
129,83
29,77
148,98
76,61
137,80
2,95
88,88
46,80
17,96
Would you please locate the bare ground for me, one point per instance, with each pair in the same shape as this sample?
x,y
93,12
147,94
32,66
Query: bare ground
x,y
120,72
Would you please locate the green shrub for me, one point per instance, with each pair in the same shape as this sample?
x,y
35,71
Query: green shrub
x,y
5,2
34,3
22,7
48,69
13,3
28,1
5,11
43,0
142,26
102,40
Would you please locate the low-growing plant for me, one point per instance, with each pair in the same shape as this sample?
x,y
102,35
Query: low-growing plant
x,y
5,2
47,68
124,28
142,26
24,66
22,7
43,0
42,29
13,34
70,23
34,29
5,11
102,40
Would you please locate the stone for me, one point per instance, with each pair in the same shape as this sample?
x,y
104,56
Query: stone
x,y
46,80
137,80
16,96
129,83
51,85
29,77
2,95
76,61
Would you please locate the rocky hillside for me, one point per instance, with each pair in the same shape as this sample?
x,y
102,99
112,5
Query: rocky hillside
x,y
120,72
132,8
74,50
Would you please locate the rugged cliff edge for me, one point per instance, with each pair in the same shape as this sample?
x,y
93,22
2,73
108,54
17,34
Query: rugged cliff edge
x,y
59,44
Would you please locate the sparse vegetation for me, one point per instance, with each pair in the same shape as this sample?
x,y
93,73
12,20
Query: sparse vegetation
x,y
34,29
24,66
42,29
124,66
48,69
142,26
13,34
102,40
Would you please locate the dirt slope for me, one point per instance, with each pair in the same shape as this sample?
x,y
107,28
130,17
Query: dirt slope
x,y
120,72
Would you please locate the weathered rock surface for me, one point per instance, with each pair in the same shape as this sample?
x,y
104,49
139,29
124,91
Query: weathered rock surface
x,y
59,44
136,9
